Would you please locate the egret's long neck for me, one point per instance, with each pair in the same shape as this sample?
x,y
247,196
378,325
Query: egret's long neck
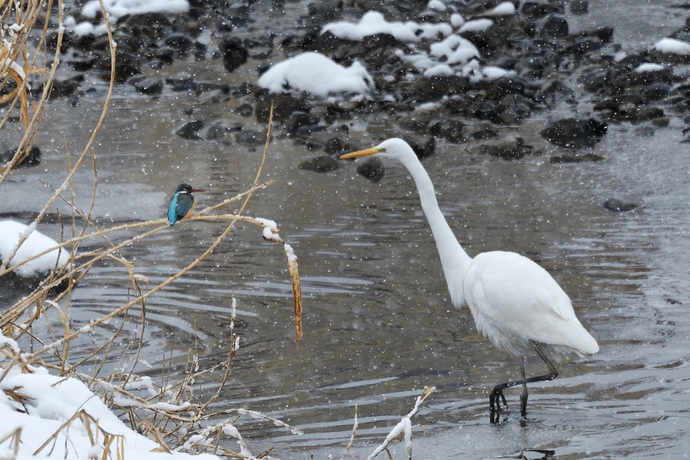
x,y
454,259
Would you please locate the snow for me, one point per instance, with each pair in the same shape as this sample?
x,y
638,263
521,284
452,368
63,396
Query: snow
x,y
436,5
476,25
372,23
672,46
502,9
456,20
449,54
649,67
493,72
454,50
47,403
10,234
290,254
316,74
440,70
119,8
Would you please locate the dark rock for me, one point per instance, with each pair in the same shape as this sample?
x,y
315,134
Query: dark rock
x,y
372,169
149,85
181,82
644,131
150,25
335,145
579,6
514,108
487,110
61,88
221,128
244,110
511,148
52,41
534,10
84,42
636,114
618,205
500,87
380,40
213,97
661,122
595,81
552,90
190,130
234,53
434,88
423,146
179,42
300,120
554,27
284,105
576,158
584,46
327,42
482,131
126,65
450,129
322,164
605,34
574,132
32,159
206,86
490,39
81,63
251,137
325,11
655,92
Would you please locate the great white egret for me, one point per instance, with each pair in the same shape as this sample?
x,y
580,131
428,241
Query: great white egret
x,y
515,303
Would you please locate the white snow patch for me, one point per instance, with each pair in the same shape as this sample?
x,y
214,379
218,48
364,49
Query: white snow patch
x,y
118,8
10,234
476,25
672,46
502,9
454,50
649,67
316,74
493,72
373,23
48,401
437,5
115,9
456,20
439,70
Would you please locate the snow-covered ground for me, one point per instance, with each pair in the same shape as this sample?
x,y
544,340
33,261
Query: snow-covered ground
x,y
35,242
46,416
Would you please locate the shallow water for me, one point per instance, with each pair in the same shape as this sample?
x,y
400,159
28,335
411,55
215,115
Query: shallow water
x,y
378,322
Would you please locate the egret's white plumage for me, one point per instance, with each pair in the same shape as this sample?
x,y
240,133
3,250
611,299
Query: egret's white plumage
x,y
515,303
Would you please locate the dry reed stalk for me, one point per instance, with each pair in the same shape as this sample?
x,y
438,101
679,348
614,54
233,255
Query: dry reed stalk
x,y
93,430
166,415
404,428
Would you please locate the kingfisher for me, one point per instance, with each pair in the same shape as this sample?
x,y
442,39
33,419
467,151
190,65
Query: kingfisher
x,y
181,203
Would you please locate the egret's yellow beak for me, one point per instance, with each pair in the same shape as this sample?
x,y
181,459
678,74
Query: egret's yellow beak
x,y
361,153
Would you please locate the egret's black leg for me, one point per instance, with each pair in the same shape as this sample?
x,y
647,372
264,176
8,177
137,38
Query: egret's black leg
x,y
497,392
525,393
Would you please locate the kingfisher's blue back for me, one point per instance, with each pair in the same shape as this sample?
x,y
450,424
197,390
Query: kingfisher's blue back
x,y
181,203
172,209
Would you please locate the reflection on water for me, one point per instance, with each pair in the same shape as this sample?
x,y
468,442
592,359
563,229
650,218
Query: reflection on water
x,y
378,322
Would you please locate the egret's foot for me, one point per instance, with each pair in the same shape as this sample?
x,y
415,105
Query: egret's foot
x,y
523,403
495,400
